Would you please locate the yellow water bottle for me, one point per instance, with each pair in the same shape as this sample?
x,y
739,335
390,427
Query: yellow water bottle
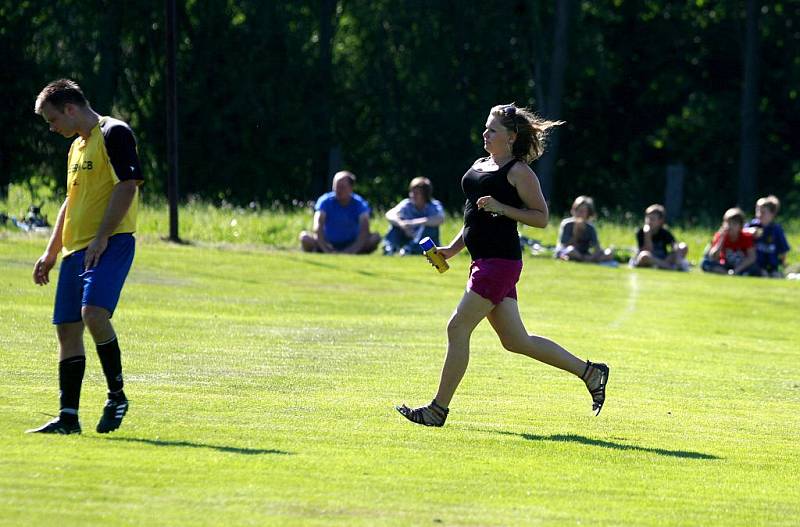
x,y
435,257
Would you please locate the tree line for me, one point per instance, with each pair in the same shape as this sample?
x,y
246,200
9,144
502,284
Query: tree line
x,y
275,96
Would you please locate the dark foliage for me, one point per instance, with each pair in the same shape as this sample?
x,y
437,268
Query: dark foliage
x,y
275,95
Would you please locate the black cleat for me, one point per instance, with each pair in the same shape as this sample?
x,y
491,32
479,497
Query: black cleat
x,y
58,426
113,412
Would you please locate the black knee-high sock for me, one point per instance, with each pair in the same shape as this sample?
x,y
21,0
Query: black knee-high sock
x,y
70,378
112,364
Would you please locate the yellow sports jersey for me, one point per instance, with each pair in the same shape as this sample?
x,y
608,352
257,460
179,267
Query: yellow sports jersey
x,y
94,166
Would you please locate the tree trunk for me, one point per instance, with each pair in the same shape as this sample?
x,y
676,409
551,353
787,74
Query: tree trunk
x,y
673,191
545,167
748,155
322,164
107,74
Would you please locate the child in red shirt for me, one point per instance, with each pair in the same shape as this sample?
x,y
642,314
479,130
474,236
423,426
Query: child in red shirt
x,y
732,249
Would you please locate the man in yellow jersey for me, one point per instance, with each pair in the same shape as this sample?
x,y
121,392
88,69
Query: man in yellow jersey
x,y
94,233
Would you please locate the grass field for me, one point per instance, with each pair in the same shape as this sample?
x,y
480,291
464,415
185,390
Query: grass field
x,y
263,382
277,226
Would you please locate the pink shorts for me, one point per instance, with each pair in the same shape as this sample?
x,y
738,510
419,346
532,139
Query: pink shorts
x,y
494,278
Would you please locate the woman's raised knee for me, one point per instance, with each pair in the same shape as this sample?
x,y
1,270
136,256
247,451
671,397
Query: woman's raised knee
x,y
514,345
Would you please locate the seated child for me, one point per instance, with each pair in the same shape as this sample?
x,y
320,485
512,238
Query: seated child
x,y
577,237
771,244
414,218
732,249
657,246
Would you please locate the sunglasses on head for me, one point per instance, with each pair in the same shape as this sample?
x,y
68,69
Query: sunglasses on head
x,y
511,112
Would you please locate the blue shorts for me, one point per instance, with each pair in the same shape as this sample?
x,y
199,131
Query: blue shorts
x,y
342,245
99,286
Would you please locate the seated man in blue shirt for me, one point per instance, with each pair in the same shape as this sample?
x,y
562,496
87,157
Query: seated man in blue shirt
x,y
414,218
341,221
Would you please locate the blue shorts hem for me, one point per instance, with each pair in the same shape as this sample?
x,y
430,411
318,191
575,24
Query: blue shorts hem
x,y
99,286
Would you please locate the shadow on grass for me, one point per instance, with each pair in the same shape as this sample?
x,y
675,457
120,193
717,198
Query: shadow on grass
x,y
315,263
571,438
189,444
179,241
370,274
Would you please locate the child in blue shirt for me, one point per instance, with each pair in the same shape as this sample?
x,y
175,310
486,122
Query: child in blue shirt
x,y
771,244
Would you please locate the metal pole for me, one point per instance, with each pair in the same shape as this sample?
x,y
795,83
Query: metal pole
x,y
172,124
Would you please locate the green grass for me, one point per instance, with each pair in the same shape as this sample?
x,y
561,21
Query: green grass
x,y
278,227
262,386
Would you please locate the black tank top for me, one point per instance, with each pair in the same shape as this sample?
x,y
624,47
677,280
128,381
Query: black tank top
x,y
487,235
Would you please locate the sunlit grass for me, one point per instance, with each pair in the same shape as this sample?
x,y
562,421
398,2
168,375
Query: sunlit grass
x,y
262,385
278,226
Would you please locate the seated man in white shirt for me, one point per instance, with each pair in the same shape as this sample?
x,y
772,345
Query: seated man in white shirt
x,y
414,218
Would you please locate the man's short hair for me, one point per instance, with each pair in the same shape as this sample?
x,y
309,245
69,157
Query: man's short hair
x,y
345,174
424,184
771,203
656,209
59,93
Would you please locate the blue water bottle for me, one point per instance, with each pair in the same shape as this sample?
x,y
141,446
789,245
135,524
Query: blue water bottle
x,y
434,256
